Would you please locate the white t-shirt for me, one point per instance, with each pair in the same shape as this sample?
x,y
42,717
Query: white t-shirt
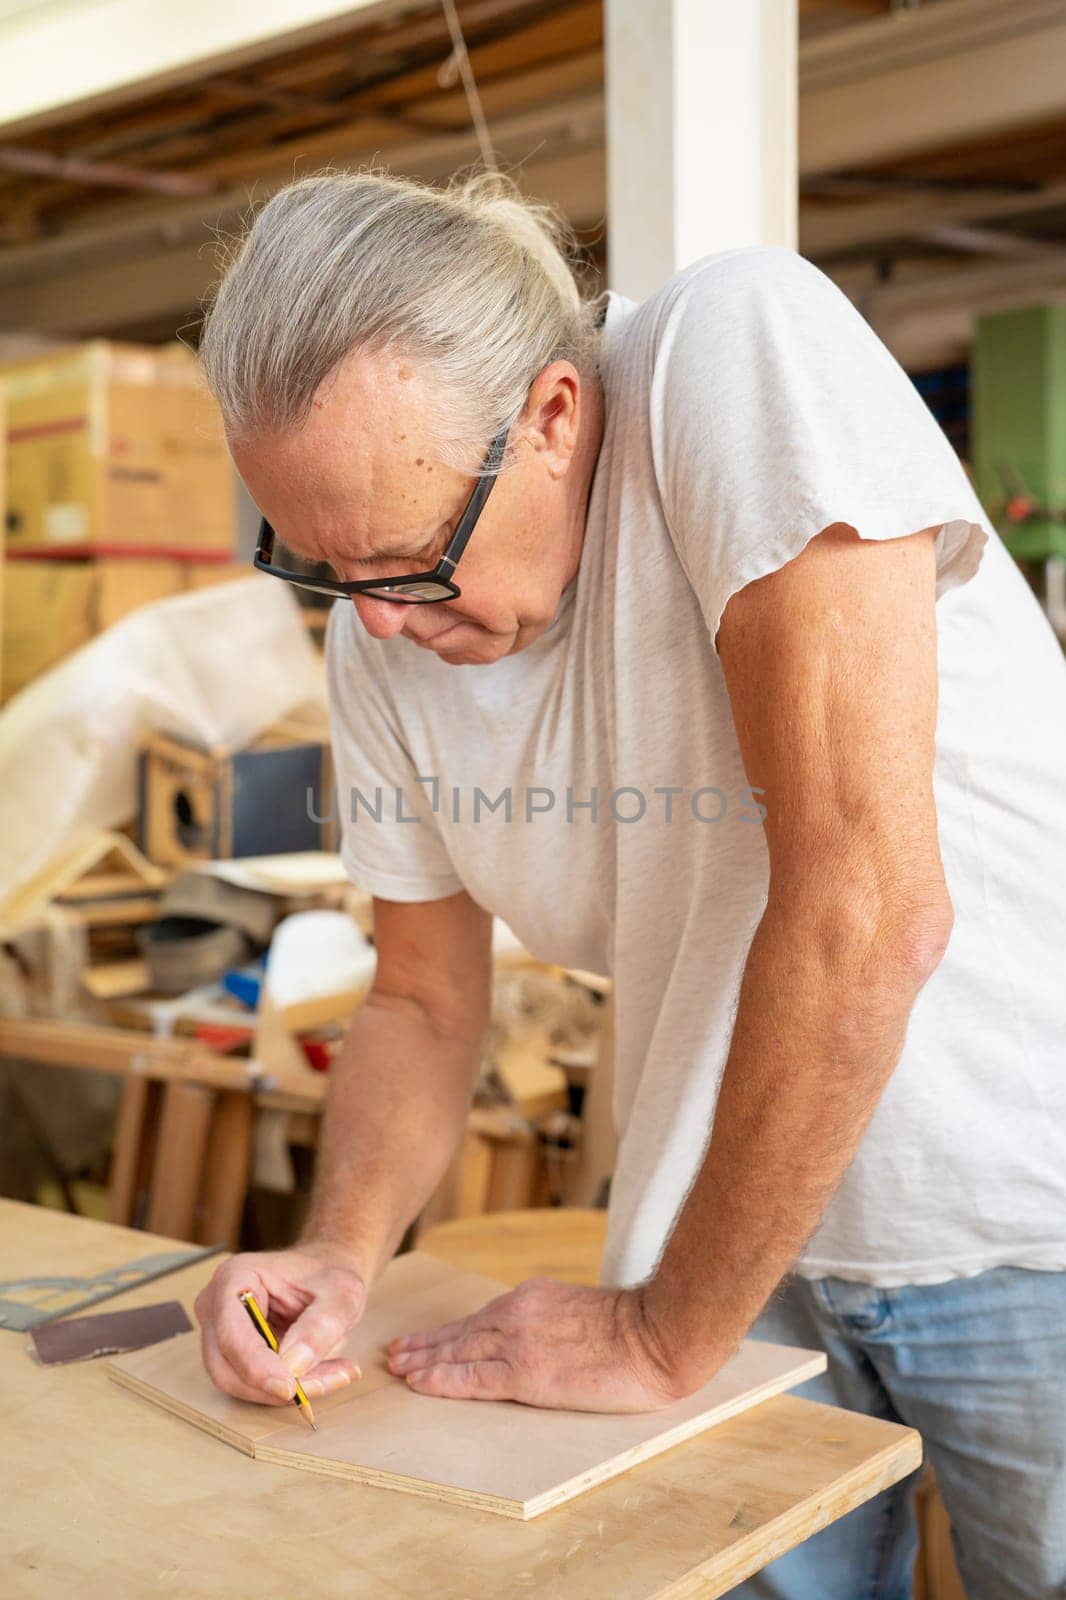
x,y
748,406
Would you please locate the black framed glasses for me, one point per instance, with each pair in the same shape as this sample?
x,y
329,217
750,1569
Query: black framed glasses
x,y
412,589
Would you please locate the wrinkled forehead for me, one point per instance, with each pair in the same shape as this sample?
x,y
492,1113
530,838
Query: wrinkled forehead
x,y
359,476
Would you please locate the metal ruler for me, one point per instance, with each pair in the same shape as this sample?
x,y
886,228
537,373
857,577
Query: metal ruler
x,y
29,1302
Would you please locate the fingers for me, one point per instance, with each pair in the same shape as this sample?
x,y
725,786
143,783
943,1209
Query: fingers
x,y
431,1336
236,1357
329,1377
337,1304
490,1315
479,1345
494,1314
273,1387
325,1303
465,1380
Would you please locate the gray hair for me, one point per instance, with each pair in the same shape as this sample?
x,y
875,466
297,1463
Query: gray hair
x,y
474,282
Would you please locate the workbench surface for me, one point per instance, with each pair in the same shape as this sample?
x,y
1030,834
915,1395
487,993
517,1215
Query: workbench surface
x,y
103,1493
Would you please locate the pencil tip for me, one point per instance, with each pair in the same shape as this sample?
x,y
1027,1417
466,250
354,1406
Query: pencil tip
x,y
315,1426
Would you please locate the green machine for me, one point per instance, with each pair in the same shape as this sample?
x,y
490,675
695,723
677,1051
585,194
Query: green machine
x,y
1019,428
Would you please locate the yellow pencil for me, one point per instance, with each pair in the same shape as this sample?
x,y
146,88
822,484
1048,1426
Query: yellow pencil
x,y
248,1301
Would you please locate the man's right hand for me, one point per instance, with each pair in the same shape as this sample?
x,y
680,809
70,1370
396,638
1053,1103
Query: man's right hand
x,y
312,1296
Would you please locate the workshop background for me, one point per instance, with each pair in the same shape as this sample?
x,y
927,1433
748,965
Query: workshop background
x,y
180,951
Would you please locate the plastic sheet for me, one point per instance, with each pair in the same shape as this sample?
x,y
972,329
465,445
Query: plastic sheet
x,y
216,666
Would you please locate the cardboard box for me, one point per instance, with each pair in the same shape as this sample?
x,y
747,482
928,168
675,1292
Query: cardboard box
x,y
199,479
54,607
205,574
116,449
51,608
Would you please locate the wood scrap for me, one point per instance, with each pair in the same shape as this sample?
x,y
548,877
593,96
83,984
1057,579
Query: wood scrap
x,y
116,979
98,869
533,1084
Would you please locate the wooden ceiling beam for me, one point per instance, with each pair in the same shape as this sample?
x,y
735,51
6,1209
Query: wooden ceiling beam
x,y
988,242
176,136
857,8
557,37
153,282
55,65
131,226
298,156
41,163
259,131
968,286
959,70
1021,159
476,16
402,105
262,93
509,92
387,139
161,133
825,236
132,290
140,130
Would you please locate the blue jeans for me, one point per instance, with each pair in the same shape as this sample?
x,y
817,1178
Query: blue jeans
x,y
978,1367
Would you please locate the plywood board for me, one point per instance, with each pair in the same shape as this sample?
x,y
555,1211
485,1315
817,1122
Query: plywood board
x,y
494,1456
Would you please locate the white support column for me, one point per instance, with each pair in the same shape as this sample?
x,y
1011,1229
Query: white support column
x,y
701,132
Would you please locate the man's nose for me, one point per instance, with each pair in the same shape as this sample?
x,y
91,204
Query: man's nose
x,y
380,618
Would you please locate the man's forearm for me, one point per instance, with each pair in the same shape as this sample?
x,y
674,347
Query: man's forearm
x,y
399,1095
820,1025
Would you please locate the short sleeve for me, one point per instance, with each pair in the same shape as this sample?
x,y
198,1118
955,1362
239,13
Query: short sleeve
x,y
777,412
390,842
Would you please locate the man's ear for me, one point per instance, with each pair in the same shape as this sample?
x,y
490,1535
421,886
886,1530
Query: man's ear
x,y
552,413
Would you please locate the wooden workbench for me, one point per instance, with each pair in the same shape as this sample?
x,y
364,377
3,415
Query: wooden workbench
x,y
106,1494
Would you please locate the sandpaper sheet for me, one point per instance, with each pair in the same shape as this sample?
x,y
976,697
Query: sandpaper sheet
x,y
80,1338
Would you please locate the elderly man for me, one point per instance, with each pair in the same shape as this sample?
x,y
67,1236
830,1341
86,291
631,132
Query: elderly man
x,y
762,722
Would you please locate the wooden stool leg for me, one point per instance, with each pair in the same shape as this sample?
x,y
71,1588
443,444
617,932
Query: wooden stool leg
x,y
463,1190
229,1149
514,1174
473,1176
599,1143
179,1163
130,1158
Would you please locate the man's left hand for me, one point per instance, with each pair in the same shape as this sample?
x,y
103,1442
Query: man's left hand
x,y
556,1345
